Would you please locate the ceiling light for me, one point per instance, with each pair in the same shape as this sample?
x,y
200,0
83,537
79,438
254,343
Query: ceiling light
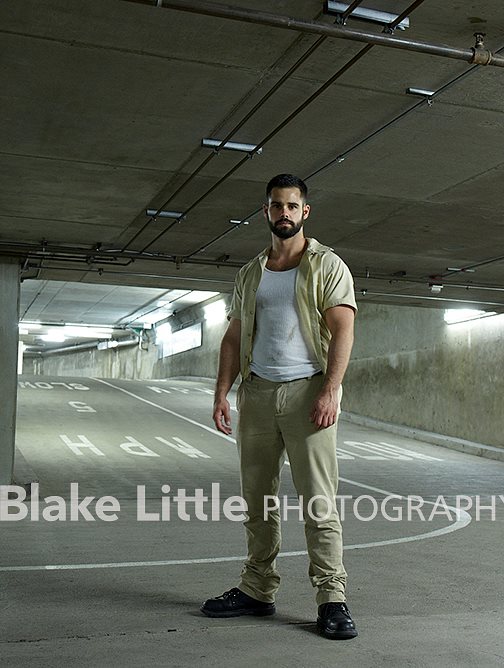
x,y
436,288
154,213
23,330
231,146
84,332
234,221
53,336
163,333
421,92
149,319
196,296
31,325
466,271
365,14
456,315
104,345
215,312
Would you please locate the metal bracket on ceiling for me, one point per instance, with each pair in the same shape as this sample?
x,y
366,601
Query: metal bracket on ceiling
x,y
178,261
481,55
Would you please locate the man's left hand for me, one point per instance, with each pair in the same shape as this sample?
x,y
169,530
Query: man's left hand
x,y
325,408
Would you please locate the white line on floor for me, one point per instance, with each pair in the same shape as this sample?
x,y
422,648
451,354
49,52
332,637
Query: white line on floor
x,y
463,519
167,410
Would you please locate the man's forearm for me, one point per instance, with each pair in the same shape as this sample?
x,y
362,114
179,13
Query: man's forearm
x,y
338,357
229,367
340,348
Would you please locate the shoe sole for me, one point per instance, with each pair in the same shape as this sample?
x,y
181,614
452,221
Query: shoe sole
x,y
239,613
335,635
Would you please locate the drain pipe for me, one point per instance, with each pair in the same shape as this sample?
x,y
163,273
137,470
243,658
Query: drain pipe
x,y
477,55
81,346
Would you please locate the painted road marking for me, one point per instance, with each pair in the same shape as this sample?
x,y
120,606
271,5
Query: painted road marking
x,y
183,447
463,519
81,407
377,451
83,442
44,385
132,447
382,451
167,410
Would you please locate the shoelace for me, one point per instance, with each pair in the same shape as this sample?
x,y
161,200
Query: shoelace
x,y
232,593
339,607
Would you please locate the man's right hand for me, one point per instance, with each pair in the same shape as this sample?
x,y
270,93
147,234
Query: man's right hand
x,y
222,416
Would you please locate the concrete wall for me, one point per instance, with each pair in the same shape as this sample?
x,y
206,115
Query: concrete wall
x,y
202,361
131,362
410,368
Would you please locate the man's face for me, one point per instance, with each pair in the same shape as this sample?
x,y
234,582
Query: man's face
x,y
286,212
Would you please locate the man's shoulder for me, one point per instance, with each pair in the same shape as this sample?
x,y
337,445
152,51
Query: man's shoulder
x,y
251,265
325,255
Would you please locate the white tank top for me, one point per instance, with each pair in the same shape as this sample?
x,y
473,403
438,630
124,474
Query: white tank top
x,y
280,352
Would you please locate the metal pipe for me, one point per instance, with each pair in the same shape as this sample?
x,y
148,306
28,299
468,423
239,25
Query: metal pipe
x,y
138,274
87,346
416,281
477,55
365,292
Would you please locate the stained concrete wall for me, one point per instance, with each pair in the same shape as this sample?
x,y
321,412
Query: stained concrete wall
x,y
131,362
409,367
203,361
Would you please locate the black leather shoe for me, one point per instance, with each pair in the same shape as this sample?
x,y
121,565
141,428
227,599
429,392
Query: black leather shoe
x,y
234,603
334,621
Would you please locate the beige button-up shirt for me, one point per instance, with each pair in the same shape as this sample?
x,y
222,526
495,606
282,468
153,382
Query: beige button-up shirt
x,y
323,280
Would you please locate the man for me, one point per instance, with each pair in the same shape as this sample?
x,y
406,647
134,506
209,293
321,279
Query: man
x,y
290,335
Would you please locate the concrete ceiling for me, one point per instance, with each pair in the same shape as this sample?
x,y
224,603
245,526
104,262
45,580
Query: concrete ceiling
x,y
105,104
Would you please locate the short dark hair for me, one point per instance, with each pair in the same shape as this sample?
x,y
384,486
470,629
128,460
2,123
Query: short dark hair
x,y
287,181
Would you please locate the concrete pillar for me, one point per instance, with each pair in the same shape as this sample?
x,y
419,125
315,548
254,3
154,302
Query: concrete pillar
x,y
9,315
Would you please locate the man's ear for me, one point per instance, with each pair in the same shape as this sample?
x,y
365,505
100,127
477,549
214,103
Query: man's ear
x,y
265,210
306,211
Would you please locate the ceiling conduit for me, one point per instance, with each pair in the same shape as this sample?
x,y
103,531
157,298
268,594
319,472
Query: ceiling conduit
x,y
478,54
276,130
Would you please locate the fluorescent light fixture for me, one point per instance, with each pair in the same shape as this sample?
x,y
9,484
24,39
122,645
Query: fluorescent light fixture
x,y
79,331
150,319
365,14
154,213
231,146
456,315
235,221
31,325
421,92
436,288
22,331
195,297
54,336
104,345
163,333
215,312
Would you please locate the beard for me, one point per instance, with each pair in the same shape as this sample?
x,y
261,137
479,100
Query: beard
x,y
285,231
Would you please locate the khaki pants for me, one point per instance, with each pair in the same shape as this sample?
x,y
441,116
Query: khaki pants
x,y
274,418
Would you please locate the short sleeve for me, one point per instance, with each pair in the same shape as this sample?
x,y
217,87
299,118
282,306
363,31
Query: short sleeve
x,y
235,308
337,284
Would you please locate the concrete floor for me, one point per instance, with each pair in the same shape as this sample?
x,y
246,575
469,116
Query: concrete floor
x,y
425,591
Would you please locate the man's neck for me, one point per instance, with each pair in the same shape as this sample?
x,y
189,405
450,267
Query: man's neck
x,y
286,253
